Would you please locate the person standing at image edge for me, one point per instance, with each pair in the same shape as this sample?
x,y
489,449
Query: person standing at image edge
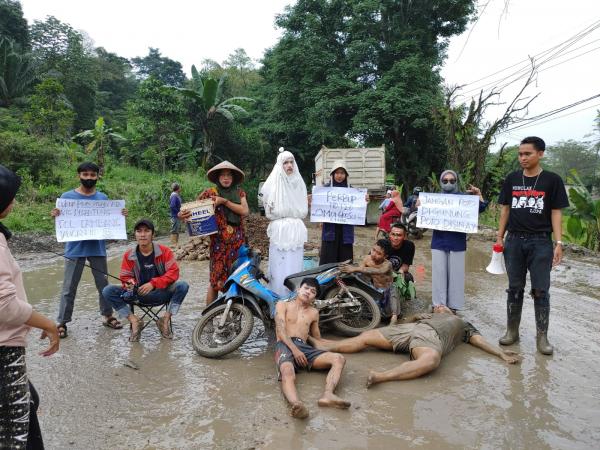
x,y
531,199
448,249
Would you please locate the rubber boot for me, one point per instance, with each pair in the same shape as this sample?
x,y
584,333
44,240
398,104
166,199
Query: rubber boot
x,y
514,306
542,318
174,240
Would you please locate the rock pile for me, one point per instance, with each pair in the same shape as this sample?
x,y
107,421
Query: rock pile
x,y
196,248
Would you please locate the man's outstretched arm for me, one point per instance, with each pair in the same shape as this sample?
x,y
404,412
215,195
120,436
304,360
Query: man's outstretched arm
x,y
509,356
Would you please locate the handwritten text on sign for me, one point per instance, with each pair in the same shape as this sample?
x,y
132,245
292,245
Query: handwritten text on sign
x,y
347,206
448,212
85,220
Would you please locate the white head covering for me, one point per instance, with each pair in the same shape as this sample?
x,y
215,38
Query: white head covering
x,y
285,195
286,204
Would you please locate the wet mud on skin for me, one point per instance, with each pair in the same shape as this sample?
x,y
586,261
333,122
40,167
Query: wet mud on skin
x,y
101,392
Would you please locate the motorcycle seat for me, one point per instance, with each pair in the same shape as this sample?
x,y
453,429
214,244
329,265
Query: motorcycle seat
x,y
313,271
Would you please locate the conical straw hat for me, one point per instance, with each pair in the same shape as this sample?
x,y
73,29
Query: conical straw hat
x,y
213,174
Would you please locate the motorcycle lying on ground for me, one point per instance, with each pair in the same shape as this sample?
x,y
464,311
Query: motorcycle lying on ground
x,y
348,305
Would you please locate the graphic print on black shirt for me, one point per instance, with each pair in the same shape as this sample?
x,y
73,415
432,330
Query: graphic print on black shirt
x,y
147,267
532,200
402,255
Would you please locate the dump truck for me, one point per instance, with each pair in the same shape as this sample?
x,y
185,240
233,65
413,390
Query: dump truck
x,y
366,169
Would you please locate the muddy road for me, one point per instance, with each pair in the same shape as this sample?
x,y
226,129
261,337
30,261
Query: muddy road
x,y
101,392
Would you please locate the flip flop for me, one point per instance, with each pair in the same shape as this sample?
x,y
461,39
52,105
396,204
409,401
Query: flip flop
x,y
113,323
62,330
135,337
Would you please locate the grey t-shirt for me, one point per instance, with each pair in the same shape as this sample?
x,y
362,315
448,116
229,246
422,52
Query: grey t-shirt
x,y
451,329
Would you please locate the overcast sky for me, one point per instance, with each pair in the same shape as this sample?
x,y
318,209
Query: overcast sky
x,y
190,31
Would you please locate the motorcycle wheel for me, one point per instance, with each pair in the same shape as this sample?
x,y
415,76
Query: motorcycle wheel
x,y
237,328
365,318
417,233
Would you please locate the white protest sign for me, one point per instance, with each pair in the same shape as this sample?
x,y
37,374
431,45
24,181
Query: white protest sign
x,y
448,212
85,220
347,206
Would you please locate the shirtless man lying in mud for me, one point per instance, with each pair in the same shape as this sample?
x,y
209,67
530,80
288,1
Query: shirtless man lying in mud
x,y
293,321
426,337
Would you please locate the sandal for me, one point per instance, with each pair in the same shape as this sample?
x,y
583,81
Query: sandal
x,y
135,336
112,322
164,328
62,330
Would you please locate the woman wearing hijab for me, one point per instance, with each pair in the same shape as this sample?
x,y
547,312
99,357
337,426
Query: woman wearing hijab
x,y
231,207
448,253
286,204
392,213
337,240
19,427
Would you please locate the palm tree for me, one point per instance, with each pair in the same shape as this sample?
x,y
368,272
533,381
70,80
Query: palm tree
x,y
100,139
17,73
206,95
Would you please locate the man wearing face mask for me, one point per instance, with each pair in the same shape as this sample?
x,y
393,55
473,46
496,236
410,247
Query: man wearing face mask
x,y
76,253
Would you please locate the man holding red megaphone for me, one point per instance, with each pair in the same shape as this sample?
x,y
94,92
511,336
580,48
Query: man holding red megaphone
x,y
531,201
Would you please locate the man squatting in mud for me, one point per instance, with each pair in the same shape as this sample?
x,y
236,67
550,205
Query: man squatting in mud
x,y
293,321
426,337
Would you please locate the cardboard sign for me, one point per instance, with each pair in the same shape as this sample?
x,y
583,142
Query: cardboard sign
x,y
203,221
347,206
448,212
87,220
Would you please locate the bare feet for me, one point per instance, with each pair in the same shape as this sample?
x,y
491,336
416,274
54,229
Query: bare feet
x,y
394,319
164,326
371,380
333,401
299,411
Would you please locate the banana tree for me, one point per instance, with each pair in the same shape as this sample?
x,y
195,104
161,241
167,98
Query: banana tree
x,y
17,73
99,139
584,215
206,96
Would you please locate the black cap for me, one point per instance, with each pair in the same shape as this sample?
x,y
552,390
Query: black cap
x,y
146,222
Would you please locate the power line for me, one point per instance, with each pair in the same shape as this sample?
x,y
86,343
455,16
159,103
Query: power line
x,y
536,120
527,60
548,55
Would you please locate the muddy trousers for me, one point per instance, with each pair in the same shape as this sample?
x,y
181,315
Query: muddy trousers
x,y
73,270
19,401
533,253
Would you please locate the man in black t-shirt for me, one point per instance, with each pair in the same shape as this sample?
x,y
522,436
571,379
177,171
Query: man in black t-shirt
x,y
402,251
531,201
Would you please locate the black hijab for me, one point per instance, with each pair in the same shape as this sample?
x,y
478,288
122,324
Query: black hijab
x,y
9,185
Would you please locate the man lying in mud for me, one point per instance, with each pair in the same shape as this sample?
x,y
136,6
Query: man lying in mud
x,y
294,320
426,337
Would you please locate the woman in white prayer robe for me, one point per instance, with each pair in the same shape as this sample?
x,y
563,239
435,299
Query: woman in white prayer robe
x,y
286,205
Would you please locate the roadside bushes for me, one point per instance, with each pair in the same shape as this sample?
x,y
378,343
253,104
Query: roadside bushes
x,y
27,154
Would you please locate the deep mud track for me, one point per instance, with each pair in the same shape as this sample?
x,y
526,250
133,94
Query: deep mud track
x,y
101,392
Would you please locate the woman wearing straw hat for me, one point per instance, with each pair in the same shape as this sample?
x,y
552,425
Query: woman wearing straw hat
x,y
286,204
231,207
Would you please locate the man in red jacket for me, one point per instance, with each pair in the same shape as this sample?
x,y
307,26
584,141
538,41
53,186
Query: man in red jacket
x,y
150,272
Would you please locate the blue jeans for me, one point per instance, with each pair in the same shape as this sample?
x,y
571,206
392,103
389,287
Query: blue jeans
x,y
531,252
174,294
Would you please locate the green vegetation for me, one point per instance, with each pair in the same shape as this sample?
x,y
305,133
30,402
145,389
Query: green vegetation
x,y
146,195
344,73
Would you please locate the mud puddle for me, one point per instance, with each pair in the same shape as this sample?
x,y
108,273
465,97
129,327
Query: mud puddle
x,y
100,391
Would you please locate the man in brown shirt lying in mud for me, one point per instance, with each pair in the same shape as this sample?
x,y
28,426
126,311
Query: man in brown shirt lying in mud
x,y
293,320
426,337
